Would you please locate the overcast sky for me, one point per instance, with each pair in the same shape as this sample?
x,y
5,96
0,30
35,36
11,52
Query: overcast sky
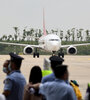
x,y
62,14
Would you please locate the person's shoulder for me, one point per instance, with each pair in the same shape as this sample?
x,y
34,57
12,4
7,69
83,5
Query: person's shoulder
x,y
68,87
22,77
16,74
63,84
50,75
12,75
9,77
44,79
47,78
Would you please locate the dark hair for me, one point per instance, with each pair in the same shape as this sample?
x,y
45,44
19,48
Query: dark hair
x,y
17,63
60,70
35,75
8,61
55,63
55,60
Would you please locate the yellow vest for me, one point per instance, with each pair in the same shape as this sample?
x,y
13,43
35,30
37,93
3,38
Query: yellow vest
x,y
46,72
77,91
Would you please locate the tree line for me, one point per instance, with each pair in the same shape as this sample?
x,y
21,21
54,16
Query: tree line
x,y
32,34
71,36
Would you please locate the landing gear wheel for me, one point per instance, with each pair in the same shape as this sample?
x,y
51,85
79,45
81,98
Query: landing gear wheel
x,y
35,54
61,55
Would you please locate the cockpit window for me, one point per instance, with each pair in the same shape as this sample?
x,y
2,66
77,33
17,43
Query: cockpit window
x,y
53,39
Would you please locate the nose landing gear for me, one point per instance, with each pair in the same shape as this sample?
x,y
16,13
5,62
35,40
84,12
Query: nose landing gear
x,y
61,54
53,53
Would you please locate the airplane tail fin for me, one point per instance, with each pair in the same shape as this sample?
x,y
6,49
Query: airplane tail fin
x,y
44,29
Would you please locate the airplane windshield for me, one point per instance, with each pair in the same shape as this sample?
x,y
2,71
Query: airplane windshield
x,y
53,39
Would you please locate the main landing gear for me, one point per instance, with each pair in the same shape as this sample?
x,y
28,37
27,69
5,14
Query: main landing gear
x,y
35,53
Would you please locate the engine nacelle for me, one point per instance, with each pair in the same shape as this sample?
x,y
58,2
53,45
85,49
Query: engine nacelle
x,y
28,50
72,50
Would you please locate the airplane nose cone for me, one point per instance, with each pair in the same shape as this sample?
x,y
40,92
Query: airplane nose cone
x,y
55,47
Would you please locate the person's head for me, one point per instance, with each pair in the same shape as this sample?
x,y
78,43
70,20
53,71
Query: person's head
x,y
35,75
5,67
55,60
15,61
61,72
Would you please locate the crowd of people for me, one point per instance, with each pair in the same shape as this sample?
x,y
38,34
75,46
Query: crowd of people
x,y
55,86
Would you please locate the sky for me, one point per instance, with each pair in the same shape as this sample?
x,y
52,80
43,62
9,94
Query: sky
x,y
59,14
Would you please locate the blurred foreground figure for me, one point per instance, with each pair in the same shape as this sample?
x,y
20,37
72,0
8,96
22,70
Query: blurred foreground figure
x,y
58,89
2,97
35,77
87,95
75,86
6,71
15,81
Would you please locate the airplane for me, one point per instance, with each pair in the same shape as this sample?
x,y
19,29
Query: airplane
x,y
48,42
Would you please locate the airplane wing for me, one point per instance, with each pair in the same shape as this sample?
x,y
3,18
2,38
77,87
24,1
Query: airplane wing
x,y
18,44
65,46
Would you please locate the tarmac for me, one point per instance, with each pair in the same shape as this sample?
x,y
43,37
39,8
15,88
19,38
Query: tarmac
x,y
78,66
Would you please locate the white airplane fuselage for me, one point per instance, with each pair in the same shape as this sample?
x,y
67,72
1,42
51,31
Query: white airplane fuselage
x,y
51,42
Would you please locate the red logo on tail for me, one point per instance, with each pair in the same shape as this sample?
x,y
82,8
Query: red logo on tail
x,y
44,30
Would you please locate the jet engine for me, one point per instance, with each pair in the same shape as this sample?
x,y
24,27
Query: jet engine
x,y
28,50
72,50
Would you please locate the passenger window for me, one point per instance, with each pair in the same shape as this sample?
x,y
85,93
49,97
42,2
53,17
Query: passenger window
x,y
53,39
